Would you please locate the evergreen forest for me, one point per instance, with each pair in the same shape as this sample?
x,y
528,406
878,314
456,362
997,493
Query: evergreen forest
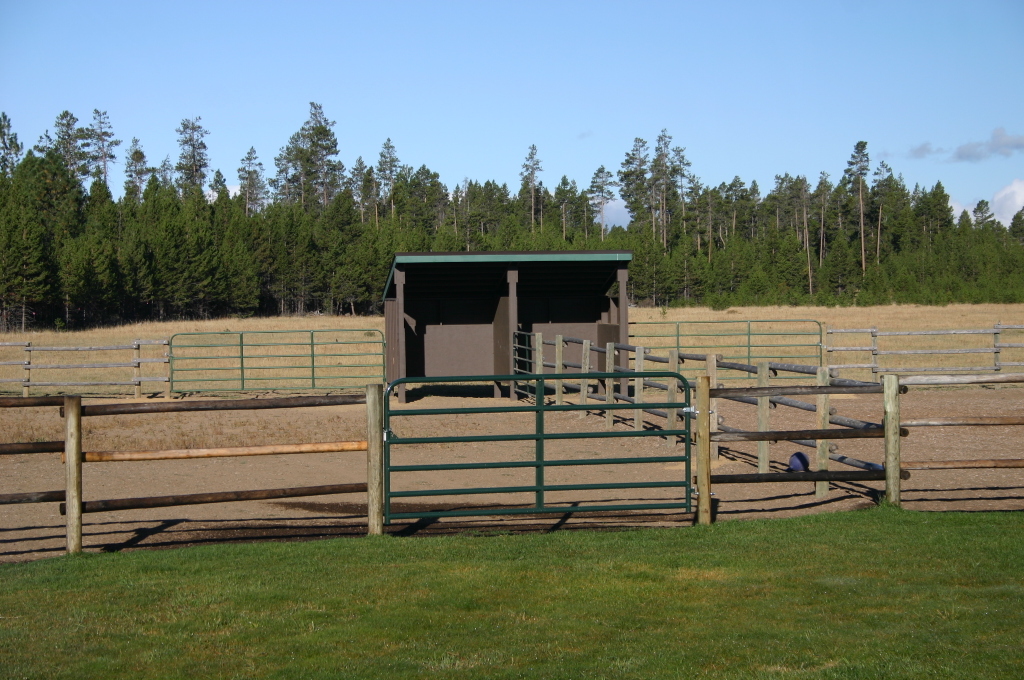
x,y
310,235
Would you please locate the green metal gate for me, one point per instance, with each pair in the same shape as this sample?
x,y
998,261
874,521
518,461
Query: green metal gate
x,y
540,434
230,361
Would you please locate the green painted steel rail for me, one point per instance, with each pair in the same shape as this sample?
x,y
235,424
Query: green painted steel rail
x,y
539,435
239,361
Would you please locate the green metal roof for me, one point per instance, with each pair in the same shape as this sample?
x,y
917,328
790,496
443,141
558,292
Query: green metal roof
x,y
573,258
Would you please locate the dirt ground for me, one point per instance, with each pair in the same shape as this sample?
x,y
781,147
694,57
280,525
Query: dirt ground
x,y
33,531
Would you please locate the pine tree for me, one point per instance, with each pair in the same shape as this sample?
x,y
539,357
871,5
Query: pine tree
x,y
102,144
634,187
193,160
387,171
71,144
1017,225
857,169
136,170
601,192
10,147
983,216
251,185
531,166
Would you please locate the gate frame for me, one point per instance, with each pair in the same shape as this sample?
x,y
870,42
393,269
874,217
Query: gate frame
x,y
539,436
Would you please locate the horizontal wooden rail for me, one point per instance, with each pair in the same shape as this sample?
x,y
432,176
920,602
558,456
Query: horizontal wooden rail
x,y
725,392
222,405
31,497
824,476
962,379
223,452
31,447
784,435
216,497
21,402
962,464
963,422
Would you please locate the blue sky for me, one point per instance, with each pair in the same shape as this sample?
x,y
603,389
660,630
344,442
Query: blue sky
x,y
750,89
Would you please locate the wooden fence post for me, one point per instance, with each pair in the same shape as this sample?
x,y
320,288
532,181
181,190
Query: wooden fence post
x,y
703,416
559,355
821,464
73,471
609,385
711,362
375,459
891,422
638,389
762,417
584,383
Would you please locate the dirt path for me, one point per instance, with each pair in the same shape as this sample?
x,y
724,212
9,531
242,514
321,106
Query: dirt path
x,y
33,531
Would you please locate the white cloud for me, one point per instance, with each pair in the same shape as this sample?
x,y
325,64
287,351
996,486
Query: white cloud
x,y
1008,201
615,214
1000,144
958,208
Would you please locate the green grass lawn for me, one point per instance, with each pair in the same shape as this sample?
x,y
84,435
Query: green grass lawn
x,y
871,594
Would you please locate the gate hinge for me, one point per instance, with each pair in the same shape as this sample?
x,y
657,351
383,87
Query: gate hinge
x,y
692,410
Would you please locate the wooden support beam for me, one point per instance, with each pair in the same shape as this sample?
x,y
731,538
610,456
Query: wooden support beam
x,y
584,383
32,497
703,450
223,405
224,452
31,447
781,390
892,431
375,459
788,435
216,497
609,385
711,362
825,476
821,463
763,407
73,471
964,422
962,464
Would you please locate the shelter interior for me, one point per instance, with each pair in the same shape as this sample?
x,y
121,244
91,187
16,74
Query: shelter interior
x,y
454,314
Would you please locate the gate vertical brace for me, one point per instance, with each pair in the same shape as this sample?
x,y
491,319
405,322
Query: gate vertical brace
x,y
539,447
375,459
703,450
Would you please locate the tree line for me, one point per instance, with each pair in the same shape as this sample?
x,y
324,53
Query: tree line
x,y
315,236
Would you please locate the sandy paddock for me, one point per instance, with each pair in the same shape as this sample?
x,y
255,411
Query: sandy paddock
x,y
34,531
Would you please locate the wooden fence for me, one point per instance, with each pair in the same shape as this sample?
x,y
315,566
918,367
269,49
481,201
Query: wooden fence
x,y
31,363
711,429
72,411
